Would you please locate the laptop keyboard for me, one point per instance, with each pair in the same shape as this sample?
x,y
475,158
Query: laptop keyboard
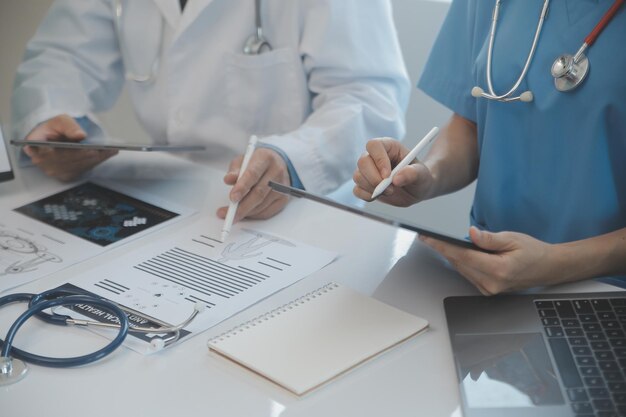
x,y
588,341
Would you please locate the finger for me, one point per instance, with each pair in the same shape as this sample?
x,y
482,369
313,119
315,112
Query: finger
x,y
477,278
63,157
60,157
257,210
69,172
255,197
274,208
231,176
455,254
258,166
362,194
70,169
486,263
269,200
497,242
362,182
60,127
30,151
221,212
67,127
378,150
369,171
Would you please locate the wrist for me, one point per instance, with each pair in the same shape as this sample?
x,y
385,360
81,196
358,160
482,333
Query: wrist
x,y
582,259
292,175
435,187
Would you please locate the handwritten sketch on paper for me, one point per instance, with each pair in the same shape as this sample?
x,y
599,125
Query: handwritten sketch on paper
x,y
165,280
234,251
19,254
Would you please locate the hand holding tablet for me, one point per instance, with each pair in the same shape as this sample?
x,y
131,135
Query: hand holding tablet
x,y
107,146
64,147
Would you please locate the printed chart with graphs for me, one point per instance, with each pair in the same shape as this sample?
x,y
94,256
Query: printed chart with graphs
x,y
164,281
51,233
97,214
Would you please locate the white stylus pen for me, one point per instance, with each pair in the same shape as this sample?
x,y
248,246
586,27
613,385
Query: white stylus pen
x,y
232,207
426,140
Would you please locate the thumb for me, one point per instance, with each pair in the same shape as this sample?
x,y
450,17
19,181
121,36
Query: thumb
x,y
68,127
496,242
73,131
410,174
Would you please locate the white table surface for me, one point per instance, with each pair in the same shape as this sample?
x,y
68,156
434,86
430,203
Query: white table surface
x,y
416,378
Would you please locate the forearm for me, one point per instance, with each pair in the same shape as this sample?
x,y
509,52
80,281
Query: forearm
x,y
603,255
359,89
453,159
71,66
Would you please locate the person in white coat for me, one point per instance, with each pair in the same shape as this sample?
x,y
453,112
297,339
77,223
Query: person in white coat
x,y
332,77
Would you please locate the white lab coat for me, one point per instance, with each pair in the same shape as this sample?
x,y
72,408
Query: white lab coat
x,y
334,78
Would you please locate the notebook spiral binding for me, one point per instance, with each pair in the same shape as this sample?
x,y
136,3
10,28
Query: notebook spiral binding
x,y
275,312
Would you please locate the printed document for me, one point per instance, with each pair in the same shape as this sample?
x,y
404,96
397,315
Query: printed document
x,y
162,282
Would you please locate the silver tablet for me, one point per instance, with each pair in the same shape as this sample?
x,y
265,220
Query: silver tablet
x,y
108,146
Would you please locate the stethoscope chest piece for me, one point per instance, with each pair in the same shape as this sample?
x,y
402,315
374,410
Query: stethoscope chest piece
x,y
569,72
256,44
12,370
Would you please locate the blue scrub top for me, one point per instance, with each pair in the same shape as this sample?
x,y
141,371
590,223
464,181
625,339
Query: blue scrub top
x,y
554,168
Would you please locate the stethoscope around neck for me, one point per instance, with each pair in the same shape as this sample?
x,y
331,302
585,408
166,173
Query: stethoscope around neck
x,y
568,71
256,43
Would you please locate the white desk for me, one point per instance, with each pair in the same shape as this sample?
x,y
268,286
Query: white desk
x,y
416,378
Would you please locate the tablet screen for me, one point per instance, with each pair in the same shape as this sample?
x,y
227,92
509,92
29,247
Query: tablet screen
x,y
5,164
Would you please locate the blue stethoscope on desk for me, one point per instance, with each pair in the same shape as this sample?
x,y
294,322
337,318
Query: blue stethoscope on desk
x,y
13,360
256,44
568,71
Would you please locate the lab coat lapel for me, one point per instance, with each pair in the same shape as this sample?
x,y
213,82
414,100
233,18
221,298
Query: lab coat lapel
x,y
171,11
192,11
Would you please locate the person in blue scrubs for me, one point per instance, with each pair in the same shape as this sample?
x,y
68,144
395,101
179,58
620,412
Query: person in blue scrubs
x,y
550,196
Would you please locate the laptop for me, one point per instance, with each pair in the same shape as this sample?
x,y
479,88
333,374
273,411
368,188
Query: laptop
x,y
540,354
6,173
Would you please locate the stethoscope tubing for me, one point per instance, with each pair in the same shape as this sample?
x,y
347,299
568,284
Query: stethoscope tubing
x,y
559,73
59,319
603,23
9,350
506,97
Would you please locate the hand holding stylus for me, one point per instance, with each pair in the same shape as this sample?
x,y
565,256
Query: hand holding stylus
x,y
403,186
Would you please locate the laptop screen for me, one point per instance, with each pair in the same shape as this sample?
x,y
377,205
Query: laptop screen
x,y
5,164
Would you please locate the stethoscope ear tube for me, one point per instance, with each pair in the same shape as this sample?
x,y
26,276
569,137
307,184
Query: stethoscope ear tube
x,y
7,344
53,318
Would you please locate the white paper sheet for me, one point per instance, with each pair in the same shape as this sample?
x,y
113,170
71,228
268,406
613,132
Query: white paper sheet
x,y
31,249
164,281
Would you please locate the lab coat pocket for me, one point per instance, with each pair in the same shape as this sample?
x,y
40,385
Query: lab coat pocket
x,y
266,93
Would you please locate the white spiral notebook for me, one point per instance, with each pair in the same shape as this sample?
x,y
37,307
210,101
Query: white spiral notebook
x,y
317,337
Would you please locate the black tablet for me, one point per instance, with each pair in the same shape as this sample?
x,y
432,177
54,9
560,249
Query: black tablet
x,y
387,220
